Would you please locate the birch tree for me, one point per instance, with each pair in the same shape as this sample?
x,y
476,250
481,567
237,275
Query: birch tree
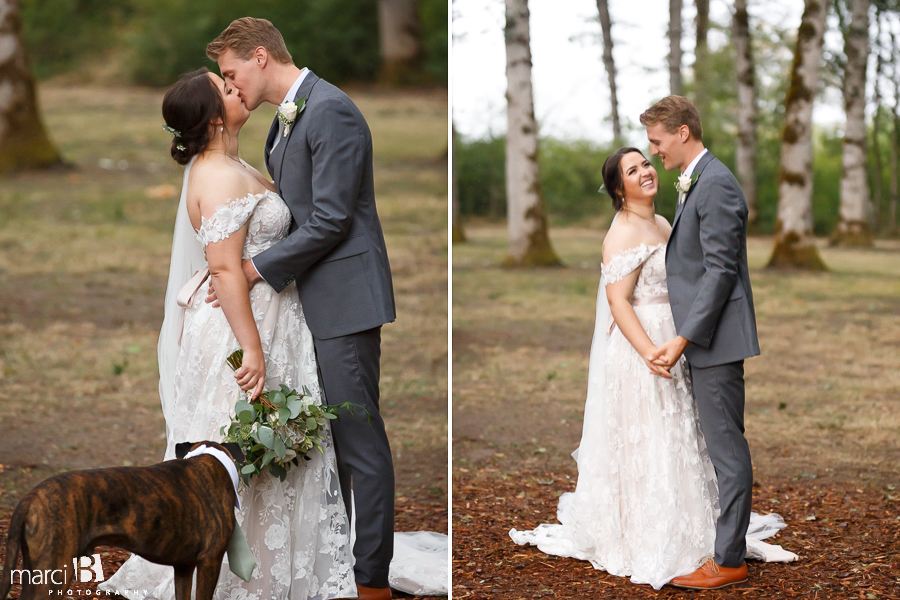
x,y
529,242
878,162
856,208
701,58
676,85
24,143
745,153
606,27
794,241
400,36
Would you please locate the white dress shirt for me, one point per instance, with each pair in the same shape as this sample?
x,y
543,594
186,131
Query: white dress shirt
x,y
690,168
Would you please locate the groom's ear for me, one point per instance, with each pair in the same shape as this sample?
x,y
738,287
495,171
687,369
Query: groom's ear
x,y
261,56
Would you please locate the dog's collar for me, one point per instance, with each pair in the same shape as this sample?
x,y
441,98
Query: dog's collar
x,y
226,460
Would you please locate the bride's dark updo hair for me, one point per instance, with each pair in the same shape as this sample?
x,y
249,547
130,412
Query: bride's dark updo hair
x,y
188,108
612,176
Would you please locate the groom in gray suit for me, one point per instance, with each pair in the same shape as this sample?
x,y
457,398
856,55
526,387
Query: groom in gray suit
x,y
712,304
319,154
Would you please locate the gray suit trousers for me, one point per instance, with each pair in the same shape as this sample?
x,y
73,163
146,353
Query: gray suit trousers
x,y
349,368
719,392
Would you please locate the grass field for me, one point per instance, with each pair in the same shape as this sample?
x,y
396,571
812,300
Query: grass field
x,y
822,413
84,257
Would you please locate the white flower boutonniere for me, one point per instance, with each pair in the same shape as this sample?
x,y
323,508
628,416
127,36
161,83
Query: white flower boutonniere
x,y
288,112
683,186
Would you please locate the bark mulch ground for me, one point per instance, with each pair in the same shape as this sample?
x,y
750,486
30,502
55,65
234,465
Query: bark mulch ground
x,y
848,539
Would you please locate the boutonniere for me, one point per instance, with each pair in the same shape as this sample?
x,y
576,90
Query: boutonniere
x,y
684,185
289,112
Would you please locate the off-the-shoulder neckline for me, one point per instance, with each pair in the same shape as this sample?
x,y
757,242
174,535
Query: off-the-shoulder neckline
x,y
249,196
638,247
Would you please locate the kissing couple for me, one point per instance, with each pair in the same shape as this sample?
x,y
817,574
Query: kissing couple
x,y
299,280
664,472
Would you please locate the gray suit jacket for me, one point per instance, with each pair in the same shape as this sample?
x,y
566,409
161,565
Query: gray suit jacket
x,y
335,251
706,266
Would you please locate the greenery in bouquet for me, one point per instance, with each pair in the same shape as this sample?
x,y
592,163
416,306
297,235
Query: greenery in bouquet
x,y
278,428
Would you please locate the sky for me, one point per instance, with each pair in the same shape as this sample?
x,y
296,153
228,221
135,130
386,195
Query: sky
x,y
571,93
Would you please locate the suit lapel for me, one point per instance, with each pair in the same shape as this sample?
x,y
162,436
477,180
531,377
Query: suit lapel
x,y
273,131
698,170
277,156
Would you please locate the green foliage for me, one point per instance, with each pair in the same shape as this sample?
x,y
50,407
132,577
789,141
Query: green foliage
x,y
570,177
156,41
60,33
337,38
433,15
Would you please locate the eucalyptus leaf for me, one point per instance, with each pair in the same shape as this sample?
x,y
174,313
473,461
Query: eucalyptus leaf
x,y
284,414
267,458
295,406
311,423
267,436
247,469
278,399
280,448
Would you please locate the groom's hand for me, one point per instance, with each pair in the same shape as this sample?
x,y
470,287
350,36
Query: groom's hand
x,y
656,369
249,272
667,355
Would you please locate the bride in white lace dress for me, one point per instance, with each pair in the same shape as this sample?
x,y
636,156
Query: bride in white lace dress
x,y
297,529
646,501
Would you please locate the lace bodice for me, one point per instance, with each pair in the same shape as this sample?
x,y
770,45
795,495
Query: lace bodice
x,y
269,216
652,262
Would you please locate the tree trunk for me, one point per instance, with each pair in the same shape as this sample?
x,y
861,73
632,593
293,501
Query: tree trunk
x,y
745,156
893,184
701,59
400,34
676,86
878,163
529,243
458,235
24,143
856,205
794,241
610,65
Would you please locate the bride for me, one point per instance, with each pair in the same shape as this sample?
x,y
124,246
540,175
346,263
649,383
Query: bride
x,y
646,502
297,529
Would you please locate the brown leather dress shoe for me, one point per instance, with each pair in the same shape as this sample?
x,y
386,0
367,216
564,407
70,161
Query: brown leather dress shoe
x,y
711,576
370,593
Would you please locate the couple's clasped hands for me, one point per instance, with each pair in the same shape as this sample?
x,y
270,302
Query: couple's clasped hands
x,y
661,360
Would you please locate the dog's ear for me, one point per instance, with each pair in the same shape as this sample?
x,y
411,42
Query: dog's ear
x,y
182,449
235,451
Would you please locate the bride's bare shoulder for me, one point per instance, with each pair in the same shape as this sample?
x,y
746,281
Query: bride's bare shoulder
x,y
211,185
621,236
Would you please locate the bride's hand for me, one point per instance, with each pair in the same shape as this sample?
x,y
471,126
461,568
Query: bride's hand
x,y
252,373
655,368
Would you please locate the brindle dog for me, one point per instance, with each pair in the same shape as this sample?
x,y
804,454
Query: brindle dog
x,y
178,513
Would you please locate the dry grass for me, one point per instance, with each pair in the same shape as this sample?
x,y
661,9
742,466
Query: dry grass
x,y
823,400
83,262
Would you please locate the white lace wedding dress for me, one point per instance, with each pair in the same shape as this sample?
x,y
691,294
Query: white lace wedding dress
x,y
297,529
646,501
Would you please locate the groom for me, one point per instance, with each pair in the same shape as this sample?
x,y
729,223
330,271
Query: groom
x,y
319,154
712,304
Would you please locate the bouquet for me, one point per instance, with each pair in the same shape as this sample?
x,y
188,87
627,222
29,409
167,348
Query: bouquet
x,y
278,428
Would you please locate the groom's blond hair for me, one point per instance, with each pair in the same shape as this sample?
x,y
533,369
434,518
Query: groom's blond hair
x,y
245,35
673,112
